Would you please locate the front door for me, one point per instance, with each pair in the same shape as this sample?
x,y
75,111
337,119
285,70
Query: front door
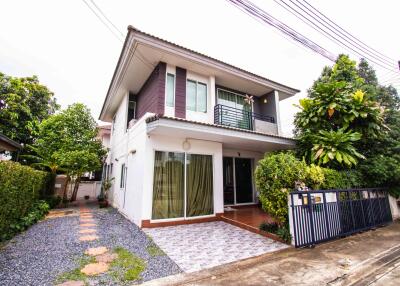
x,y
238,186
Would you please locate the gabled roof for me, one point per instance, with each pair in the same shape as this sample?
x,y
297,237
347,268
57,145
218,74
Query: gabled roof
x,y
130,48
8,144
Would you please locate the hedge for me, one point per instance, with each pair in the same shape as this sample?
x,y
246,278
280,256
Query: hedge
x,y
20,188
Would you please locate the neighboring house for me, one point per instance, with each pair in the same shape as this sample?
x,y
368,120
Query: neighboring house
x,y
185,136
6,144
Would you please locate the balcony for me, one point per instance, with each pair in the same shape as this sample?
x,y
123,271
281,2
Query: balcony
x,y
243,119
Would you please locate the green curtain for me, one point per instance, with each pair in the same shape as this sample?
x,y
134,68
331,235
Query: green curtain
x,y
168,185
199,185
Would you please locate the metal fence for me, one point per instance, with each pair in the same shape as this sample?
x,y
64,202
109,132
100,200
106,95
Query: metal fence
x,y
239,118
317,216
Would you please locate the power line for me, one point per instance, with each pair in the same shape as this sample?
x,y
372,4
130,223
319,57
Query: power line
x,y
346,32
332,35
101,19
105,17
119,37
259,14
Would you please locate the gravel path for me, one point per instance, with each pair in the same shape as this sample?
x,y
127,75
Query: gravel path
x,y
51,247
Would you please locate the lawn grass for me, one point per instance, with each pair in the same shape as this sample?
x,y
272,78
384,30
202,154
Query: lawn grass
x,y
127,266
76,274
153,250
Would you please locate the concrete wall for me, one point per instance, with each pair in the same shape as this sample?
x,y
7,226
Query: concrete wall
x,y
394,207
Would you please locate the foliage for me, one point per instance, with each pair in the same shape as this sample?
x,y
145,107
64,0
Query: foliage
x,y
76,274
127,267
27,103
106,185
20,187
275,176
269,227
153,250
315,176
279,173
53,201
335,147
280,230
68,141
339,111
383,171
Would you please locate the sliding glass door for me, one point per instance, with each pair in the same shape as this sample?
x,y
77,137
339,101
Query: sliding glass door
x,y
236,113
179,189
199,185
168,185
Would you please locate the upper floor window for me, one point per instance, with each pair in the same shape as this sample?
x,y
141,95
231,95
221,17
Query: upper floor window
x,y
170,100
196,96
131,109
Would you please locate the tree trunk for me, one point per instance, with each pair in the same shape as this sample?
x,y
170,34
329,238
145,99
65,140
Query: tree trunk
x,y
76,187
65,189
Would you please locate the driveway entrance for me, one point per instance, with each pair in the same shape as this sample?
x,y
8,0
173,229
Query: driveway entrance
x,y
204,245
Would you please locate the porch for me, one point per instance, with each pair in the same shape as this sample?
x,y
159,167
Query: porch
x,y
249,218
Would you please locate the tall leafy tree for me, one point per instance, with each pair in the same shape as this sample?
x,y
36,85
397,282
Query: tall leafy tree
x,y
338,112
69,139
382,166
25,103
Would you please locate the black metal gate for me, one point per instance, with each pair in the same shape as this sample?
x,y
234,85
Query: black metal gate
x,y
317,216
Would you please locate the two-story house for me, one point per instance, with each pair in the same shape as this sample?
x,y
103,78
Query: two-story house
x,y
187,132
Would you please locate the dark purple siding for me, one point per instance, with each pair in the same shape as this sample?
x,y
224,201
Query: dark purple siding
x,y
180,93
151,97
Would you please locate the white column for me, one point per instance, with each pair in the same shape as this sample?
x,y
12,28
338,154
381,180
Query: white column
x,y
277,115
211,98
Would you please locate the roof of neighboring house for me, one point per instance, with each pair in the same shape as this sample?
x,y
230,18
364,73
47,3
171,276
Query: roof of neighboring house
x,y
157,117
6,144
130,46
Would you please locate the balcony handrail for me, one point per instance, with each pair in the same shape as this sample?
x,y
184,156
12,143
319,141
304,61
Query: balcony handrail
x,y
251,115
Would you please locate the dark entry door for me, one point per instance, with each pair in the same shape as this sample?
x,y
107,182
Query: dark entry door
x,y
243,176
229,187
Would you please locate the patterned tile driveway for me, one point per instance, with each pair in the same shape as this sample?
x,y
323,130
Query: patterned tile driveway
x,y
204,245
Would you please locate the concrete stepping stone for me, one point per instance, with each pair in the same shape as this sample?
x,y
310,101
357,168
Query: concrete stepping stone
x,y
86,216
72,283
87,224
93,269
87,231
93,251
88,238
106,257
87,220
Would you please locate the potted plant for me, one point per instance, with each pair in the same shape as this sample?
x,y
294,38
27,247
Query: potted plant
x,y
102,198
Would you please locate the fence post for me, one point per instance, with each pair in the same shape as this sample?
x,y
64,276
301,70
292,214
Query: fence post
x,y
310,212
293,221
361,198
326,215
371,209
339,211
351,209
380,207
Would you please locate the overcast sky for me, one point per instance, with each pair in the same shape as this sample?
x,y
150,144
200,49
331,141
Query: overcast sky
x,y
75,55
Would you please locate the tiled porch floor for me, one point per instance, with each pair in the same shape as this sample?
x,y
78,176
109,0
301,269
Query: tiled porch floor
x,y
204,245
251,216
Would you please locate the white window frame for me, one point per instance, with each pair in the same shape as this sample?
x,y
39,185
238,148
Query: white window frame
x,y
196,98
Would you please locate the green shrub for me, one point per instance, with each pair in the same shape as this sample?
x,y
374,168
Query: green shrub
x,y
276,176
20,187
280,230
315,177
